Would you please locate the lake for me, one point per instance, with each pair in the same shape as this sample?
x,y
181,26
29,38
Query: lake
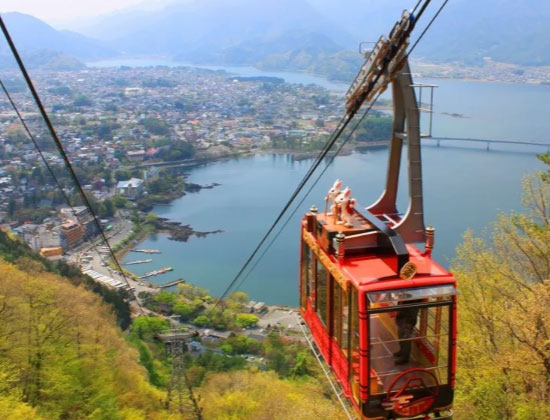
x,y
465,187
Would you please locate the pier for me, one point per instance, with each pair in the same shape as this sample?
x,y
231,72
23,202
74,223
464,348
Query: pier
x,y
146,251
138,262
170,284
156,272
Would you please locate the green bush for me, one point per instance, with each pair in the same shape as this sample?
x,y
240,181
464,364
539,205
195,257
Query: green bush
x,y
246,320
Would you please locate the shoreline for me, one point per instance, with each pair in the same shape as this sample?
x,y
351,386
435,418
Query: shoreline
x,y
417,68
169,226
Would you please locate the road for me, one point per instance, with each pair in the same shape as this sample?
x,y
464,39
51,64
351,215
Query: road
x,y
122,228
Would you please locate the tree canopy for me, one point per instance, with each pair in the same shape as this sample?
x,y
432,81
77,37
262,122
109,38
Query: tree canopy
x,y
62,355
504,322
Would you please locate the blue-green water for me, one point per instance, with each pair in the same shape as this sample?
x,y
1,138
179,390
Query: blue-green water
x,y
465,187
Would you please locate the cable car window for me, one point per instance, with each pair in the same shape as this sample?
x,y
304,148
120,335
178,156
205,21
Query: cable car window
x,y
306,269
322,292
340,319
354,347
311,289
345,321
336,312
409,334
403,295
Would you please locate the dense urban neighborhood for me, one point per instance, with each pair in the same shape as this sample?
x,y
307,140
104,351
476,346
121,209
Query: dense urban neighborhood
x,y
122,127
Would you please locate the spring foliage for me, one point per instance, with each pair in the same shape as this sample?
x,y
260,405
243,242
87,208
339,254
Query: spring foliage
x,y
62,355
504,323
243,395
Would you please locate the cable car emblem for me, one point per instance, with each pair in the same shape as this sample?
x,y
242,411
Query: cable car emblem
x,y
408,271
406,405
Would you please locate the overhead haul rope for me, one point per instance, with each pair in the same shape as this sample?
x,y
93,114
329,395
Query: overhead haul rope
x,y
63,154
308,175
332,158
427,27
283,211
315,182
44,161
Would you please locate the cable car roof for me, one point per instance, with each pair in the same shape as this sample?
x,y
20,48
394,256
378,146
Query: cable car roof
x,y
376,272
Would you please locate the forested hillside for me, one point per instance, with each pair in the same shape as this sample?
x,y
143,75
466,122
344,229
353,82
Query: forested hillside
x,y
15,251
504,322
62,355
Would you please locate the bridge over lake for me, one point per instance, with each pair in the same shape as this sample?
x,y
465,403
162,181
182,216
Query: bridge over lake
x,y
488,142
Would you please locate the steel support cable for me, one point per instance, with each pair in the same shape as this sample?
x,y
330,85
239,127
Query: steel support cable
x,y
427,27
347,118
48,167
323,152
308,192
338,151
416,7
61,150
282,213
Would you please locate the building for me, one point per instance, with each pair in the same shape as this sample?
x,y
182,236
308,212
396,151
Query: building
x,y
133,91
79,212
71,235
131,189
39,236
82,215
52,254
135,155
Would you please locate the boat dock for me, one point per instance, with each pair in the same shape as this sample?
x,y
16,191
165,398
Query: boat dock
x,y
170,284
146,251
138,262
156,272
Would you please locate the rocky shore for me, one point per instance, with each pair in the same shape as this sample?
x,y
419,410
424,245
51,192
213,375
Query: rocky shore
x,y
179,232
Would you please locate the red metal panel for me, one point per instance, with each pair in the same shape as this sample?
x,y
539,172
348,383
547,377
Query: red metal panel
x,y
339,366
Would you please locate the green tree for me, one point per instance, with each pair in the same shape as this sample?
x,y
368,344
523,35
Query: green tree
x,y
155,126
148,326
119,201
247,320
240,297
184,310
201,321
504,323
123,175
12,206
109,208
82,100
375,128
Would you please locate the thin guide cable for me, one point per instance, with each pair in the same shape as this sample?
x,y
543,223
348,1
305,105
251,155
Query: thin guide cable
x,y
62,151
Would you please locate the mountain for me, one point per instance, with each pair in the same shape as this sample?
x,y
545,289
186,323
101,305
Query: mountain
x,y
249,52
31,35
304,35
223,30
513,31
215,25
44,59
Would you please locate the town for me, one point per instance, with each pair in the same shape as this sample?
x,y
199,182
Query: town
x,y
125,128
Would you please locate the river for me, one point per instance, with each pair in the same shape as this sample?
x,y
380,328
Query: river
x,y
465,186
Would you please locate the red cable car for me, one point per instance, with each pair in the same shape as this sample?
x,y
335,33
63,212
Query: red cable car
x,y
381,311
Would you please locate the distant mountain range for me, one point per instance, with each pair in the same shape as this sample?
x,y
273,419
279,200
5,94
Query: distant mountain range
x,y
43,46
310,35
